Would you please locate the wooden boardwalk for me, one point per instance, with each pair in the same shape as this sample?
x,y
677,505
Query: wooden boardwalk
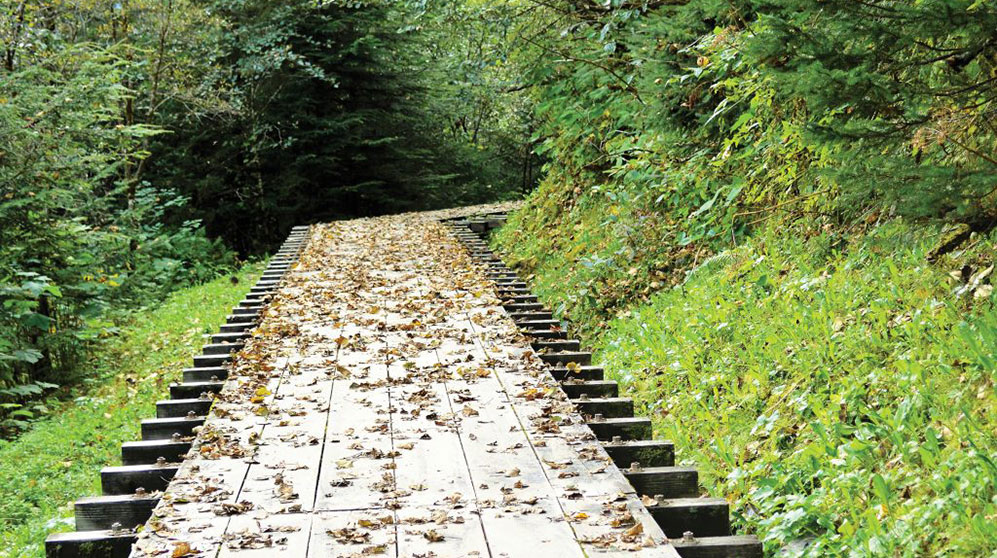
x,y
387,406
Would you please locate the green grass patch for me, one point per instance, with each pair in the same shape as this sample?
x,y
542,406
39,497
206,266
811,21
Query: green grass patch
x,y
834,388
591,256
57,461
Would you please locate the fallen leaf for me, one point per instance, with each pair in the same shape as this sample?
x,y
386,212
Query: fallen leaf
x,y
432,536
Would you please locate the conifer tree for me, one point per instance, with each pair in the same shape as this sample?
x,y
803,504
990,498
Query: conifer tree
x,y
333,120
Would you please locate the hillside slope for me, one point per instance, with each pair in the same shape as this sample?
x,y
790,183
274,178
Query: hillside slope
x,y
832,384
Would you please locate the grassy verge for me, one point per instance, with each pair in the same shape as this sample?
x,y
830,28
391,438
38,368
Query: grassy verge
x,y
57,461
835,389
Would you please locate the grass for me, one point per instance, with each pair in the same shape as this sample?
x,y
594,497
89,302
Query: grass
x,y
57,461
835,389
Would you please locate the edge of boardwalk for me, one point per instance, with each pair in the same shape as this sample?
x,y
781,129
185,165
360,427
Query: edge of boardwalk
x,y
698,527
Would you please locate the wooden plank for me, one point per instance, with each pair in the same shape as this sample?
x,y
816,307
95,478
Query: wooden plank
x,y
284,474
353,456
263,536
352,533
615,525
590,473
442,533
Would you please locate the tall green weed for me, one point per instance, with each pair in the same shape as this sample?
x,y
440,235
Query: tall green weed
x,y
837,389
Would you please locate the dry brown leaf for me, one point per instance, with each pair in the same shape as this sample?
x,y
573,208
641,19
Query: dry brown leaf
x,y
433,536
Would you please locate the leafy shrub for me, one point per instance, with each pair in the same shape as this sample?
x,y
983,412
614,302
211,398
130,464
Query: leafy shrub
x,y
693,122
77,238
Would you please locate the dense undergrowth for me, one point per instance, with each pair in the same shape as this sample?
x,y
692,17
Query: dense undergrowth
x,y
736,210
830,385
58,459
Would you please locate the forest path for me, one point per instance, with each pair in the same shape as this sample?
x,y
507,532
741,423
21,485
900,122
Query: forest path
x,y
388,406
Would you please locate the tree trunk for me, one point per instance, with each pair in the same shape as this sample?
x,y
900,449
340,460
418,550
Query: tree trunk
x,y
15,36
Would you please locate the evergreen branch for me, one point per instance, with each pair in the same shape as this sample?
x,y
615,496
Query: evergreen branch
x,y
626,85
972,150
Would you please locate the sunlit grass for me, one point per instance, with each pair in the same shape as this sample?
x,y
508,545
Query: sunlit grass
x,y
833,387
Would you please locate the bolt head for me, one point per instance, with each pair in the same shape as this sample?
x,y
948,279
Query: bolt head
x,y
617,440
160,461
116,527
635,467
140,491
688,536
191,414
176,437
